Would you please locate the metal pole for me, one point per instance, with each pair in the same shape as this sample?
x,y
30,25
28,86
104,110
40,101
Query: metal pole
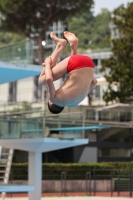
x,y
90,183
130,178
94,182
111,182
63,183
119,183
44,112
86,179
27,50
83,124
88,174
21,125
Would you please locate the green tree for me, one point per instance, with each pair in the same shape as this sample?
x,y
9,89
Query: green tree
x,y
95,30
8,37
101,31
34,16
121,61
80,25
91,30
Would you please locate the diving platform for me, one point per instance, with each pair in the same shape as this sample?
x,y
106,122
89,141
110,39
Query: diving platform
x,y
16,62
16,188
10,72
36,146
41,144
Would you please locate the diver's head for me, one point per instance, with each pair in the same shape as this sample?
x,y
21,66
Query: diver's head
x,y
54,108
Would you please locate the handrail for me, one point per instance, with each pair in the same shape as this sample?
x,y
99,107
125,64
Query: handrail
x,y
12,44
110,123
41,111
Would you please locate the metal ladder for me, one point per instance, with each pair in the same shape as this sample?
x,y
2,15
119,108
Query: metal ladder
x,y
6,156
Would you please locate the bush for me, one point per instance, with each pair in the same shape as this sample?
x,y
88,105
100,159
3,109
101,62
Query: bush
x,y
19,171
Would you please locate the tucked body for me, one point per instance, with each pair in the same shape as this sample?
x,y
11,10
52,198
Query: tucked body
x,y
80,74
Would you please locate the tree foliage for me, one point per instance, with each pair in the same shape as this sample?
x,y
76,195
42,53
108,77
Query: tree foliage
x,y
121,61
34,17
92,31
9,37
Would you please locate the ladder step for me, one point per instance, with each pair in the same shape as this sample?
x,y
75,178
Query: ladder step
x,y
5,163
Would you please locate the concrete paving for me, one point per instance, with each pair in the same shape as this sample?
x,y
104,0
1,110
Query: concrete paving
x,y
73,198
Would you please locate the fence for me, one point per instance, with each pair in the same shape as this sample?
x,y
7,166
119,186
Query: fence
x,y
19,52
96,182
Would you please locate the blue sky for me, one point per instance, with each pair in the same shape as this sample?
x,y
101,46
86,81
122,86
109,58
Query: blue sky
x,y
109,4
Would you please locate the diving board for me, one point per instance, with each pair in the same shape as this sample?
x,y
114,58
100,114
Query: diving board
x,y
16,188
35,147
79,128
17,71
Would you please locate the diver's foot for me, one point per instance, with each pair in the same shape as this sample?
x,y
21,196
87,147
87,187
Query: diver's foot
x,y
72,39
58,41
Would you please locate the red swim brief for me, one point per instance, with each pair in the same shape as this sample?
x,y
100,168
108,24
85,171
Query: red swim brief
x,y
79,61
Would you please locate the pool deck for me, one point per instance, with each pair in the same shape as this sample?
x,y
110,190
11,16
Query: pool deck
x,y
72,198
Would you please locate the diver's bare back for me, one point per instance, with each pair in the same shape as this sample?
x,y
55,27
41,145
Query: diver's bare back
x,y
75,88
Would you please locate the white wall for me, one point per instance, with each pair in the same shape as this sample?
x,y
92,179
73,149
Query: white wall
x,y
25,89
4,88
